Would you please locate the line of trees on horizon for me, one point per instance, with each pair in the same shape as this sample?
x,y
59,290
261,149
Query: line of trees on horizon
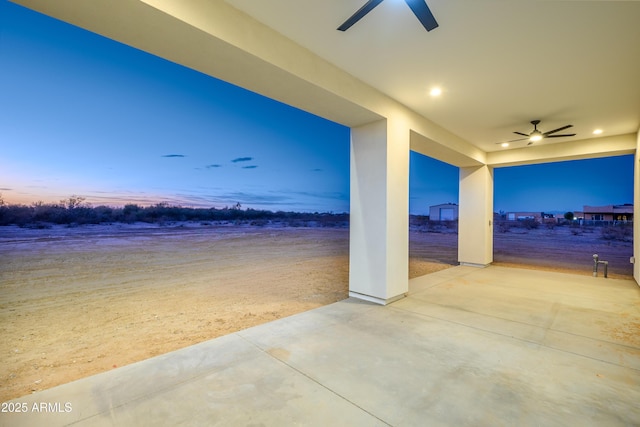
x,y
74,211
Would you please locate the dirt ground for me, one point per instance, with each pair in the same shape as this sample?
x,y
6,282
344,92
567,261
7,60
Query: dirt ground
x,y
563,249
78,301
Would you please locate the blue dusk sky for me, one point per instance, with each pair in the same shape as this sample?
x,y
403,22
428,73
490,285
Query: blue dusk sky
x,y
84,115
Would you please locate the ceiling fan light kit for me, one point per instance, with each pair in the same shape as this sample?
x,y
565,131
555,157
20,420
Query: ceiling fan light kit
x,y
536,135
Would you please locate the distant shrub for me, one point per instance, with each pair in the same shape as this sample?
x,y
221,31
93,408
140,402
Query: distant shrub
x,y
419,220
503,226
451,225
529,224
619,232
19,215
38,226
74,211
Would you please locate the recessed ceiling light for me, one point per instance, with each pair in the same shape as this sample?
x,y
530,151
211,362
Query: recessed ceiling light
x,y
436,91
504,144
597,131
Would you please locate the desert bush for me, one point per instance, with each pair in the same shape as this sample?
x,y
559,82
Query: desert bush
x,y
127,214
451,225
52,213
503,226
103,214
20,215
38,226
618,232
331,219
419,220
73,202
529,224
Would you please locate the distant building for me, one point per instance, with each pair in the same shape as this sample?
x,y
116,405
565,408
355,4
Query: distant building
x,y
444,212
521,216
541,217
609,213
577,215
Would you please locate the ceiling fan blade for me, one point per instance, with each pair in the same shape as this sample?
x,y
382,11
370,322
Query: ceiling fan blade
x,y
560,136
523,134
368,7
423,13
557,130
519,139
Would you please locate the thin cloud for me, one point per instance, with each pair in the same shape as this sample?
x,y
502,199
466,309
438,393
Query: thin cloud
x,y
316,170
213,166
332,195
257,198
122,198
242,159
249,167
6,189
174,155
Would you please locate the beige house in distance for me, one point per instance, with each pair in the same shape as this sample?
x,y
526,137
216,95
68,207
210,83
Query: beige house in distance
x,y
609,213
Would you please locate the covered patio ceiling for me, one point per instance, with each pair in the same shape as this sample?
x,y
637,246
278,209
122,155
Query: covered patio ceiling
x,y
500,64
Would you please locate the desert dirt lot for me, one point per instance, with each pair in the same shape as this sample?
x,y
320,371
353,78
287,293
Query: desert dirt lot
x,y
563,249
79,301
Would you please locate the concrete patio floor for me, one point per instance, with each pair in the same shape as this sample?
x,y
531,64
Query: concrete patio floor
x,y
467,347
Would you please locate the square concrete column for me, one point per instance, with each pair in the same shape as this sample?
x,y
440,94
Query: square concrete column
x,y
379,220
475,221
636,212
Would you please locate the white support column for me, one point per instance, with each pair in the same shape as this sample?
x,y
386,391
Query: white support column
x,y
636,213
475,223
379,224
